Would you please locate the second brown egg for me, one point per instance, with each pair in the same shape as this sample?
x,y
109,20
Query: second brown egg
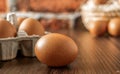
x,y
32,27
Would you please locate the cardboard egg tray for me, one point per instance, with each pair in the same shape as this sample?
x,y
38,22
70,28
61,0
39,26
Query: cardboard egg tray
x,y
9,46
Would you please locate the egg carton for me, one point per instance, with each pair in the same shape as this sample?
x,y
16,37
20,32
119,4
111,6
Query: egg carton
x,y
9,46
27,43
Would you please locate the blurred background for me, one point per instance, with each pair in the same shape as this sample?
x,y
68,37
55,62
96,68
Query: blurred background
x,y
63,14
53,14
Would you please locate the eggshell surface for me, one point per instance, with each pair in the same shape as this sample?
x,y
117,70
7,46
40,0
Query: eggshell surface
x,y
56,50
98,27
114,27
20,20
6,29
32,27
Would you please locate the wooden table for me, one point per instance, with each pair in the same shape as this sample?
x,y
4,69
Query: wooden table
x,y
99,55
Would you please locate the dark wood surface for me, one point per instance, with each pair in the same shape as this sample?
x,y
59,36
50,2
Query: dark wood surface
x,y
99,55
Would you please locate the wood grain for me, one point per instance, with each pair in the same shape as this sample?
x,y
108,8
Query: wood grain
x,y
100,55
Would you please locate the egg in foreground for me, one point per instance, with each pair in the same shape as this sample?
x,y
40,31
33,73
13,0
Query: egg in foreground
x,y
56,50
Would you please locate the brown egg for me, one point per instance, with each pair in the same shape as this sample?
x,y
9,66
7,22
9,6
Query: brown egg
x,y
6,29
98,2
20,20
98,27
56,50
114,27
32,27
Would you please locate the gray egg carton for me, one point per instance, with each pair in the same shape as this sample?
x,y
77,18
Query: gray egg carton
x,y
9,46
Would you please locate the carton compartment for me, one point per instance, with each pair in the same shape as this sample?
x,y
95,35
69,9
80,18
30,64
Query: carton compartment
x,y
8,49
27,46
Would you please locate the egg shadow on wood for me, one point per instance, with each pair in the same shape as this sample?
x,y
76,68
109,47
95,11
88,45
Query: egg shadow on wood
x,y
61,67
60,70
